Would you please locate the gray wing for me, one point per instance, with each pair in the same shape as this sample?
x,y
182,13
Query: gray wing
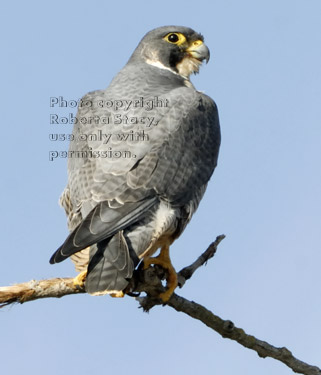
x,y
177,159
183,145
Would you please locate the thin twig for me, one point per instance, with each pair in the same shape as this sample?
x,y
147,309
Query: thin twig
x,y
227,329
188,271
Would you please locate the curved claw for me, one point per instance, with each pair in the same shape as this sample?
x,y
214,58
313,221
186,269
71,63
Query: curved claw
x,y
164,261
80,279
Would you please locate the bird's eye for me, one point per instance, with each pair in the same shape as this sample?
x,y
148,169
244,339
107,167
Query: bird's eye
x,y
175,38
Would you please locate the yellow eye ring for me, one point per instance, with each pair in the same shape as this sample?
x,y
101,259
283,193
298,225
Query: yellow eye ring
x,y
175,38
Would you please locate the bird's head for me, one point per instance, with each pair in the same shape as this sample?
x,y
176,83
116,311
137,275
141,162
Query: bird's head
x,y
176,48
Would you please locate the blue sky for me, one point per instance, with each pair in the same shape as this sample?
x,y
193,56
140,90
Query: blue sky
x,y
264,75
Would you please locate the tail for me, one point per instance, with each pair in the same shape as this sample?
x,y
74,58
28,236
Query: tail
x,y
111,266
112,259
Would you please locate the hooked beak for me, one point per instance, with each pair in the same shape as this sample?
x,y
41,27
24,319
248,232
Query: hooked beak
x,y
199,51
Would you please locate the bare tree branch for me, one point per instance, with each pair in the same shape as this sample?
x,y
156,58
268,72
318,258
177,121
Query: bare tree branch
x,y
227,329
24,292
149,281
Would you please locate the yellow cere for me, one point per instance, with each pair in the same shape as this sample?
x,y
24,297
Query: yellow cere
x,y
197,43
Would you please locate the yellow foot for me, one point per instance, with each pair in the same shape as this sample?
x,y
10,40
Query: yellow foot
x,y
118,294
164,261
79,280
171,285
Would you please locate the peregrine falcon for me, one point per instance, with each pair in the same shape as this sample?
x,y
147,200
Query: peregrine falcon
x,y
141,155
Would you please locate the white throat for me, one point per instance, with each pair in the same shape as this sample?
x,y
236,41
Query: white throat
x,y
159,65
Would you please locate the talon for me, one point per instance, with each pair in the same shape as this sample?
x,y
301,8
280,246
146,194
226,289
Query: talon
x,y
80,279
167,295
171,285
164,261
